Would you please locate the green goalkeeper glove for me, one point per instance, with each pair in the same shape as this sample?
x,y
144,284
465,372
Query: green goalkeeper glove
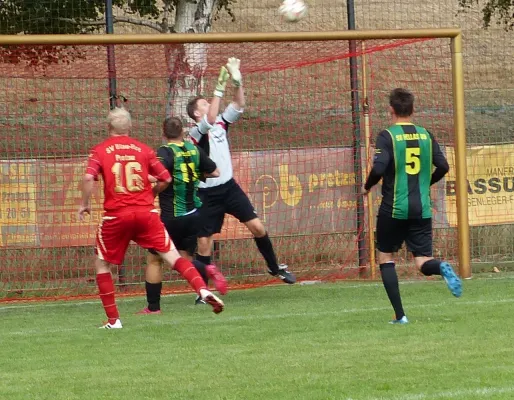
x,y
233,67
222,82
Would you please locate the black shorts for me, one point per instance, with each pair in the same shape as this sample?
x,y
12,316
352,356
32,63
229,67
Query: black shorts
x,y
416,233
183,231
227,198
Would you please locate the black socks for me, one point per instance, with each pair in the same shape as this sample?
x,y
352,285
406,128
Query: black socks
x,y
431,267
153,295
266,249
390,280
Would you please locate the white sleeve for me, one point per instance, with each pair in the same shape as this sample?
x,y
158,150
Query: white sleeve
x,y
201,128
231,114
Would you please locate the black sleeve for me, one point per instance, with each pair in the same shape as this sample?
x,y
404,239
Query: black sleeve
x,y
166,157
439,161
383,156
206,164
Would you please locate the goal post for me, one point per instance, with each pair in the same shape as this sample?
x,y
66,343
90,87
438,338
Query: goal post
x,y
368,164
460,156
291,151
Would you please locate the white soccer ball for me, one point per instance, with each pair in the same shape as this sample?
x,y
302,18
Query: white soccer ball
x,y
293,10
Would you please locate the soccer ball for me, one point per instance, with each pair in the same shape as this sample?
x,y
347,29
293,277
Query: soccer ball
x,y
293,10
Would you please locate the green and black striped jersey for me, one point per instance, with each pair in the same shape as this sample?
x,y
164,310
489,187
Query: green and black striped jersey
x,y
404,157
186,164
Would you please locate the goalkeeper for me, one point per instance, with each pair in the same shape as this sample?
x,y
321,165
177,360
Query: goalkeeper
x,y
223,195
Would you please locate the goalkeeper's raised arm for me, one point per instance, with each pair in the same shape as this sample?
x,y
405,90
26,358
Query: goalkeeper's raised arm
x,y
233,66
235,108
207,115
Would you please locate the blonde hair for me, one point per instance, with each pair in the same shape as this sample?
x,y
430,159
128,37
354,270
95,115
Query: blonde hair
x,y
119,121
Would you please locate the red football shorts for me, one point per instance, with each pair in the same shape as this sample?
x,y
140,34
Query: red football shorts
x,y
117,230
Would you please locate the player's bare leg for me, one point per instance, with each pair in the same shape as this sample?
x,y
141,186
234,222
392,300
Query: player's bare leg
x,y
431,266
265,247
392,288
153,284
106,289
205,249
185,268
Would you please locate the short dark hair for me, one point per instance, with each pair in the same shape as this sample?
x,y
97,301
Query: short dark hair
x,y
191,106
402,102
172,128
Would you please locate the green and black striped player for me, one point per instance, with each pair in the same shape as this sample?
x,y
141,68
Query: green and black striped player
x,y
179,203
186,162
405,157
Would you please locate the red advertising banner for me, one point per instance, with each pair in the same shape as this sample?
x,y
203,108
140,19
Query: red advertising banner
x,y
232,229
58,198
306,190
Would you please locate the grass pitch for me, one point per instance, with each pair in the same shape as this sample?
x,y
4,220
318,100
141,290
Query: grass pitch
x,y
326,341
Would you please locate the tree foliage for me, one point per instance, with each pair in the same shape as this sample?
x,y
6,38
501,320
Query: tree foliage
x,y
501,11
87,16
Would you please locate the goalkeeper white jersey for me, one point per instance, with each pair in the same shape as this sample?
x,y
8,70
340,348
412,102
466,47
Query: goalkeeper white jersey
x,y
213,139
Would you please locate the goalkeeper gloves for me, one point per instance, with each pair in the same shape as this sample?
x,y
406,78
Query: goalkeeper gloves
x,y
222,82
233,67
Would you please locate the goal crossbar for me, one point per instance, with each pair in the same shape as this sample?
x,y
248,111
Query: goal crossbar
x,y
11,40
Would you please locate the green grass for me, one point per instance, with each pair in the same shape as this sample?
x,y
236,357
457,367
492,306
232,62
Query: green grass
x,y
327,341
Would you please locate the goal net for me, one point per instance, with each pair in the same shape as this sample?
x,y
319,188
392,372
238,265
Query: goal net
x,y
299,151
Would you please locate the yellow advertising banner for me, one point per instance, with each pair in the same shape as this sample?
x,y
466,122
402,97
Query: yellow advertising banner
x,y
490,172
18,224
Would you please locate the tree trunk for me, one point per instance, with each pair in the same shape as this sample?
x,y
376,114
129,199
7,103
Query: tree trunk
x,y
187,62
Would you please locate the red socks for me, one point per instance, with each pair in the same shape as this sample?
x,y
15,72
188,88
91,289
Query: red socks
x,y
106,286
189,272
106,289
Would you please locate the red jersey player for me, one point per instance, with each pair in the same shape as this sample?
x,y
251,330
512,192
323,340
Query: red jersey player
x,y
125,164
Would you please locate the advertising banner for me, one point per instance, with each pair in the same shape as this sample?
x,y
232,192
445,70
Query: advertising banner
x,y
299,191
490,171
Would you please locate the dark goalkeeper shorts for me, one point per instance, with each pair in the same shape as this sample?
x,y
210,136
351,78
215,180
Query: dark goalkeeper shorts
x,y
416,233
183,231
227,198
